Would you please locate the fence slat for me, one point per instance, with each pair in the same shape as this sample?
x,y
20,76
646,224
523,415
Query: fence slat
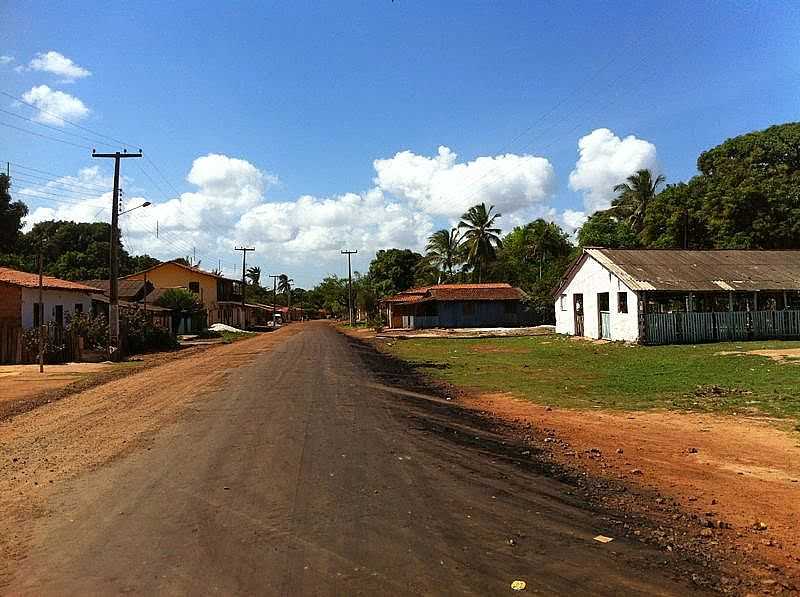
x,y
720,326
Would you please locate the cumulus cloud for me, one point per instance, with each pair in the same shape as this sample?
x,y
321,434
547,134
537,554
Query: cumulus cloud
x,y
604,161
55,106
79,198
6,59
441,186
573,219
229,205
56,63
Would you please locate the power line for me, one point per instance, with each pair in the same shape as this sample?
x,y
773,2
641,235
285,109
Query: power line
x,y
60,180
54,128
11,126
56,185
84,128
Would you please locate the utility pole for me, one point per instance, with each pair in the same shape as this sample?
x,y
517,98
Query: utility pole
x,y
40,309
244,251
113,301
274,293
349,284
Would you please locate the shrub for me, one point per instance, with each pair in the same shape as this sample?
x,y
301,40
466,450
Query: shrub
x,y
142,335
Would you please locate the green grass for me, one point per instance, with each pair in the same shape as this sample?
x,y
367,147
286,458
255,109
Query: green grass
x,y
228,337
557,371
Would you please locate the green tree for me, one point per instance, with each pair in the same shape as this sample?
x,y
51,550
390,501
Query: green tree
x,y
634,197
179,299
254,275
481,238
545,241
393,270
11,214
444,253
603,229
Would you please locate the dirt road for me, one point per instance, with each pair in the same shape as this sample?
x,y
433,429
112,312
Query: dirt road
x,y
302,470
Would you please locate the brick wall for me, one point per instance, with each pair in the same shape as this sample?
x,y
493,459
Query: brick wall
x,y
10,304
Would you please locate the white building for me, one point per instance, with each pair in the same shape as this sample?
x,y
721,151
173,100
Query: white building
x,y
656,296
19,297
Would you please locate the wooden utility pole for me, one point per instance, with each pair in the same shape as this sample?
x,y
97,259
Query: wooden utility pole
x,y
274,293
349,284
244,251
40,309
113,300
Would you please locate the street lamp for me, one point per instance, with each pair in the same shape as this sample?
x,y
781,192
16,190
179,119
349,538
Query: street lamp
x,y
145,204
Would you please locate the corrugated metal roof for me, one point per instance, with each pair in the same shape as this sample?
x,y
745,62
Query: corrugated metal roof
x,y
684,270
125,288
28,280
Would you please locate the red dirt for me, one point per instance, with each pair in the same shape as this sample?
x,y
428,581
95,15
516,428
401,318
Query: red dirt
x,y
741,471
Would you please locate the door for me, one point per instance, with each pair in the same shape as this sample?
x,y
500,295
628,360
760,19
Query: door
x,y
604,315
60,315
577,309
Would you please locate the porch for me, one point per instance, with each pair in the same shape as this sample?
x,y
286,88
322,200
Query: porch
x,y
689,318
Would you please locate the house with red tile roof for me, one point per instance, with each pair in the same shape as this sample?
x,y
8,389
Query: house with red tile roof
x,y
19,298
455,306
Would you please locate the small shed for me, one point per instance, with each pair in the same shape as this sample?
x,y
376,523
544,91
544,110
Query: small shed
x,y
455,306
661,296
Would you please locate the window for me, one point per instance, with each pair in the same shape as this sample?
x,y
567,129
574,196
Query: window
x,y
468,309
59,313
78,307
194,287
563,302
622,302
37,312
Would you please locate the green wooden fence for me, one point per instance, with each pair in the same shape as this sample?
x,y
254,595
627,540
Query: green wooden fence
x,y
720,326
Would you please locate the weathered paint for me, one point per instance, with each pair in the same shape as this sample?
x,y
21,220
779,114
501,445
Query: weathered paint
x,y
591,279
66,298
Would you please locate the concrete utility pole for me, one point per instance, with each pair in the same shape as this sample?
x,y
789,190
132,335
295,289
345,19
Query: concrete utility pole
x,y
113,302
349,284
274,293
244,251
40,309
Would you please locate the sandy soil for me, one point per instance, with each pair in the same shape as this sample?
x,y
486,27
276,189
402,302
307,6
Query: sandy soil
x,y
776,354
59,440
742,472
19,382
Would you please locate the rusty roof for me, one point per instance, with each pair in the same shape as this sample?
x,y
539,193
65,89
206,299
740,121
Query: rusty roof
x,y
686,270
496,291
28,280
125,288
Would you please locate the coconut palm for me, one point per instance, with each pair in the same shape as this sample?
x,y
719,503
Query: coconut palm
x,y
443,251
634,195
254,275
285,286
480,239
544,241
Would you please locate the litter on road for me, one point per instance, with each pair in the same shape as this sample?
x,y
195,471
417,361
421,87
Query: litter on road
x,y
603,539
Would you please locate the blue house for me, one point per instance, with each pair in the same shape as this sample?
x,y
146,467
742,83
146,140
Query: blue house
x,y
455,306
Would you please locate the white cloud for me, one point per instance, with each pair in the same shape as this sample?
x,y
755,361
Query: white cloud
x,y
441,186
6,59
229,206
56,63
573,219
55,106
605,160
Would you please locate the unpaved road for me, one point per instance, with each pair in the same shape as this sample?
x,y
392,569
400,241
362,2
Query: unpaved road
x,y
304,472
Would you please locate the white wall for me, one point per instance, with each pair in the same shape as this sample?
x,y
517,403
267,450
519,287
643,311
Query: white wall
x,y
591,279
51,298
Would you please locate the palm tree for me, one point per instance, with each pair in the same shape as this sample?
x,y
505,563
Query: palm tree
x,y
285,286
443,251
481,239
545,240
254,274
634,196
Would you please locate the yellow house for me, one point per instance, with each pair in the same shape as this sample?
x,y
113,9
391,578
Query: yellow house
x,y
217,293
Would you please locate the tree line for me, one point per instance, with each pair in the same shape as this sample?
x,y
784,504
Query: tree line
x,y
746,195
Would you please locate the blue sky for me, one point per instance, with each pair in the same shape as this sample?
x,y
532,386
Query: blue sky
x,y
275,112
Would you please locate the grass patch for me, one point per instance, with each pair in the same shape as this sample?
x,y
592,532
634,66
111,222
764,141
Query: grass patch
x,y
228,337
558,371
